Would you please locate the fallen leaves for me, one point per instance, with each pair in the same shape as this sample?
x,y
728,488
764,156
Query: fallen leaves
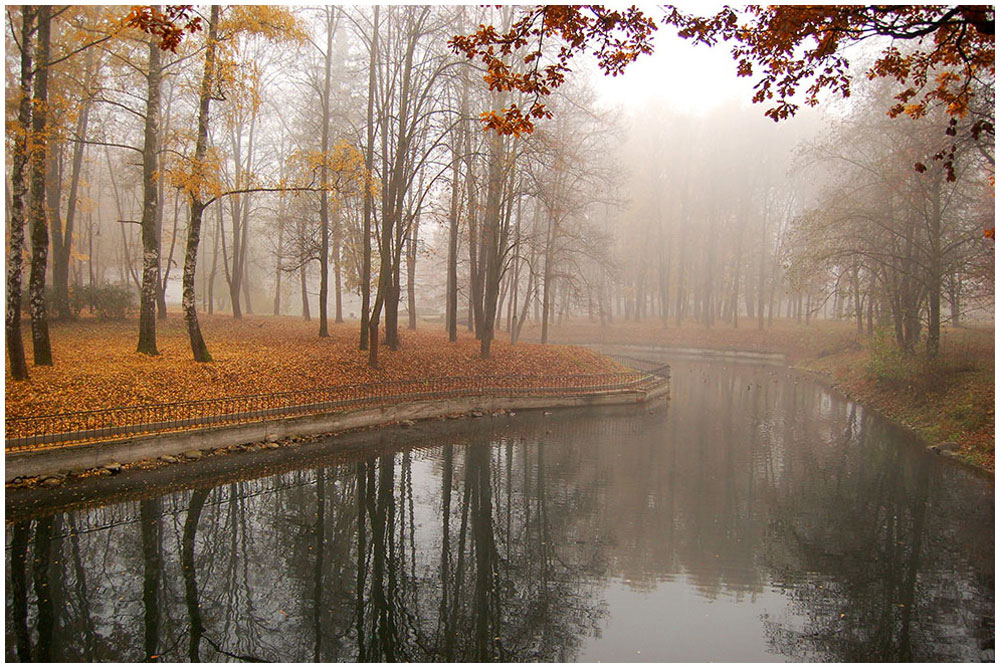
x,y
97,366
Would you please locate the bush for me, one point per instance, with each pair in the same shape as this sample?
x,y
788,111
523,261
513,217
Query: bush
x,y
887,364
77,301
897,370
110,301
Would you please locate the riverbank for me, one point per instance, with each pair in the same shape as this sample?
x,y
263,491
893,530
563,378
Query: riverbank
x,y
266,356
96,365
950,400
49,467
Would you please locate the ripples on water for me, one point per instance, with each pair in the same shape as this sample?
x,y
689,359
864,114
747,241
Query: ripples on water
x,y
754,517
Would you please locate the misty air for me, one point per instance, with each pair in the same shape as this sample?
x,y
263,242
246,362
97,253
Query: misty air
x,y
519,333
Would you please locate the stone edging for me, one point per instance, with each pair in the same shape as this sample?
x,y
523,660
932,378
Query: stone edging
x,y
689,353
81,457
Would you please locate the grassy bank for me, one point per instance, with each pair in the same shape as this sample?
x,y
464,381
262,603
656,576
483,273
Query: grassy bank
x,y
949,399
96,365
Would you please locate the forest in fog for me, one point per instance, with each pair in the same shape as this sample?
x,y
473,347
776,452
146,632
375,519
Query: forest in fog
x,y
331,163
500,333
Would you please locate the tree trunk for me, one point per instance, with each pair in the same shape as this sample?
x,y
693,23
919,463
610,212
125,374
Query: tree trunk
x,y
475,283
366,254
161,297
680,305
324,179
198,347
548,259
150,197
954,297
546,289
493,248
277,262
411,273
305,294
451,307
15,250
856,284
934,270
518,322
392,307
338,279
324,264
761,265
664,276
734,298
516,272
245,284
39,224
53,198
164,269
63,252
392,207
215,257
871,305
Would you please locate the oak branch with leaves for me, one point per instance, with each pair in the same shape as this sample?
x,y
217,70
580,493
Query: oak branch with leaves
x,y
948,58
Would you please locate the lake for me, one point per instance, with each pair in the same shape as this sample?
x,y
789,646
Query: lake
x,y
755,516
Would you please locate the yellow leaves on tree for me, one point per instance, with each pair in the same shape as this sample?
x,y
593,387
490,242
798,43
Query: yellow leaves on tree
x,y
269,22
344,172
237,80
199,178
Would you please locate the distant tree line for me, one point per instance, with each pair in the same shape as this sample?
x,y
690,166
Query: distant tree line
x,y
256,152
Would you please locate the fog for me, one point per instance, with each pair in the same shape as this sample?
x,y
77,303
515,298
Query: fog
x,y
537,332
660,194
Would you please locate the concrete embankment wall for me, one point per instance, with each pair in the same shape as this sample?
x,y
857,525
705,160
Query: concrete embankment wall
x,y
80,457
680,352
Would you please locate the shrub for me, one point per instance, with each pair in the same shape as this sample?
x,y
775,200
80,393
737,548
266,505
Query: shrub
x,y
77,300
897,370
888,364
110,301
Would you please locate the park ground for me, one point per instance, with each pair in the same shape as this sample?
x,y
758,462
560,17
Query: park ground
x,y
949,399
96,365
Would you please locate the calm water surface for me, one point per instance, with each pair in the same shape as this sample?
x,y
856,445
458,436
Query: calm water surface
x,y
755,516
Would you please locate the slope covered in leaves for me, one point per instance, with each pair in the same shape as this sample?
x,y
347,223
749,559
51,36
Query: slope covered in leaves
x,y
96,365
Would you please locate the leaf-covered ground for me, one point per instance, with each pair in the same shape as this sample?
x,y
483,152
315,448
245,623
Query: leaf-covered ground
x,y
951,399
96,365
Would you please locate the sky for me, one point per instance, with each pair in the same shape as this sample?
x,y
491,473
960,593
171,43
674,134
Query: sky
x,y
694,79
689,78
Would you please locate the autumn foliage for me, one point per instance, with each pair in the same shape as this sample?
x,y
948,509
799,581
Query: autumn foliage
x,y
168,25
938,54
99,368
618,38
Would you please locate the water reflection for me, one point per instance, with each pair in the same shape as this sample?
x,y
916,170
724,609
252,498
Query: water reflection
x,y
814,530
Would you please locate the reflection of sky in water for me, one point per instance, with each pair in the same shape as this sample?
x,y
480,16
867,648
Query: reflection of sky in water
x,y
673,622
754,517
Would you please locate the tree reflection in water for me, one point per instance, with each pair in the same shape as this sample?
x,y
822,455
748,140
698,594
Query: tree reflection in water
x,y
502,545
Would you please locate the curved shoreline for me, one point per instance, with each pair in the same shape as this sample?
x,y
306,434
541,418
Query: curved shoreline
x,y
80,458
780,359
